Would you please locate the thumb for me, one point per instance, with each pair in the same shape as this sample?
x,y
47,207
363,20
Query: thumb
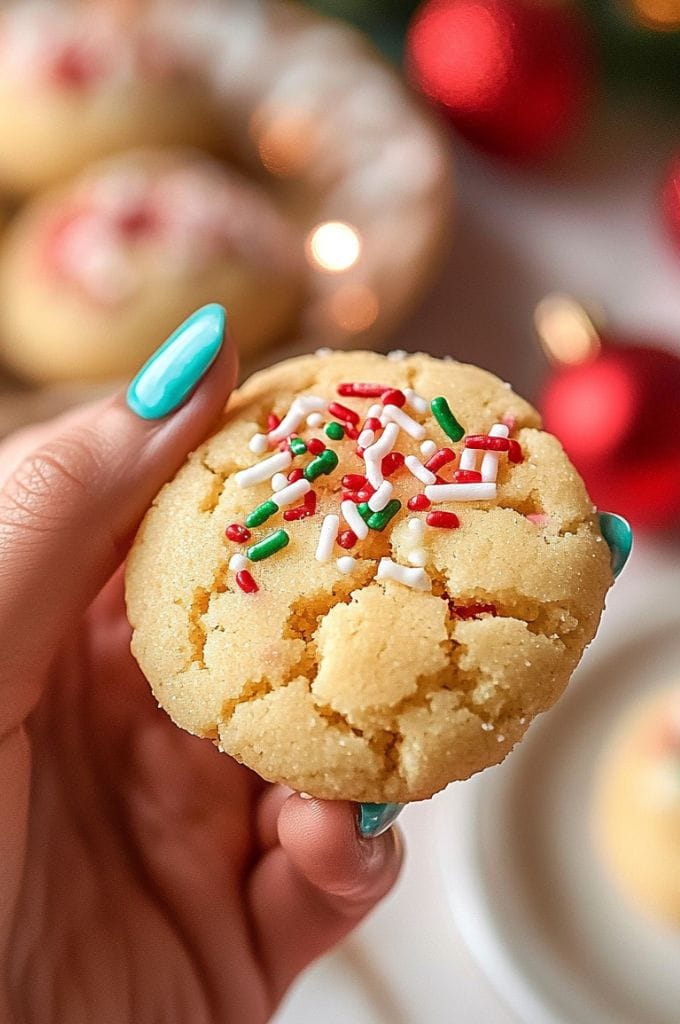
x,y
70,505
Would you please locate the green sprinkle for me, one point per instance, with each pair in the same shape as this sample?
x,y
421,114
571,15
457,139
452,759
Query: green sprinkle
x,y
445,418
364,511
269,546
297,446
379,520
261,514
324,463
335,431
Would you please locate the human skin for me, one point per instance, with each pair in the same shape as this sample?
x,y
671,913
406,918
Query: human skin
x,y
143,876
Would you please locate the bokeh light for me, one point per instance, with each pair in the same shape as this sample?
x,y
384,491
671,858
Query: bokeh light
x,y
565,330
333,246
659,14
354,307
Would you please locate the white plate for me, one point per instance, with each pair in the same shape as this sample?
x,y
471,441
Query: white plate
x,y
527,890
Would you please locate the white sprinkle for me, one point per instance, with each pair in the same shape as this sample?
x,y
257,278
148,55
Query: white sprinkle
x,y
522,720
315,419
416,401
301,406
374,455
346,564
500,737
418,556
366,438
396,355
418,470
322,352
489,466
461,492
377,501
329,531
279,481
237,563
374,411
258,443
487,726
293,492
428,448
393,414
417,579
305,796
468,459
353,519
263,470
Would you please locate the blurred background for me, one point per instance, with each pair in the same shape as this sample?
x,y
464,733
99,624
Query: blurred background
x,y
495,180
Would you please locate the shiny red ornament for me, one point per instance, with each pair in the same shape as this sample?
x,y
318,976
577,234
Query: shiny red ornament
x,y
514,76
617,414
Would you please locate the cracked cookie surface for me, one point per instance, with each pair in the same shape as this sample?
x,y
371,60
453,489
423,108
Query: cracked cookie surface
x,y
340,684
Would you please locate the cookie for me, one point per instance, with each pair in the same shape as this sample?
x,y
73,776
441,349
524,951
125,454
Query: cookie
x,y
77,83
371,579
94,275
636,807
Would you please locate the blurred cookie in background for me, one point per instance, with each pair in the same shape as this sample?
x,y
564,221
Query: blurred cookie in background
x,y
636,811
79,81
94,275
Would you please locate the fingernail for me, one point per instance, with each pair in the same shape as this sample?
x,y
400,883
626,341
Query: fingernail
x,y
174,370
374,819
618,533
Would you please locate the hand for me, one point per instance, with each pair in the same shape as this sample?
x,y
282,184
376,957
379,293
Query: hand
x,y
144,877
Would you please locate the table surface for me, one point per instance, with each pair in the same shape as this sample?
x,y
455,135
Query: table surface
x,y
589,226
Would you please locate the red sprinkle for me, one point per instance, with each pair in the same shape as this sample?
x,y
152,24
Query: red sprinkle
x,y
515,453
351,431
341,412
359,451
246,582
361,390
366,493
394,397
372,423
440,458
236,532
351,496
443,520
307,508
315,445
484,443
354,481
391,463
471,611
272,421
295,475
418,503
347,539
467,476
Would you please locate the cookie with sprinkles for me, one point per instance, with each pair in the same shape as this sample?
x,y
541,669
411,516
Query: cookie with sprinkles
x,y
371,611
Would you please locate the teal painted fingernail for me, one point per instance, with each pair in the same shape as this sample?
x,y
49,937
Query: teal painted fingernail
x,y
618,533
374,819
174,370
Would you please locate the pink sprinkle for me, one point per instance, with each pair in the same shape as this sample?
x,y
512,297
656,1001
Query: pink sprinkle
x,y
272,421
509,421
538,518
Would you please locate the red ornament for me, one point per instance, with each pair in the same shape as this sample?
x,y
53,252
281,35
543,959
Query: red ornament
x,y
616,410
514,76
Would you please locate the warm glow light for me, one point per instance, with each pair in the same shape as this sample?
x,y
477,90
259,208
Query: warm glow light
x,y
334,246
566,332
660,14
354,308
284,140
